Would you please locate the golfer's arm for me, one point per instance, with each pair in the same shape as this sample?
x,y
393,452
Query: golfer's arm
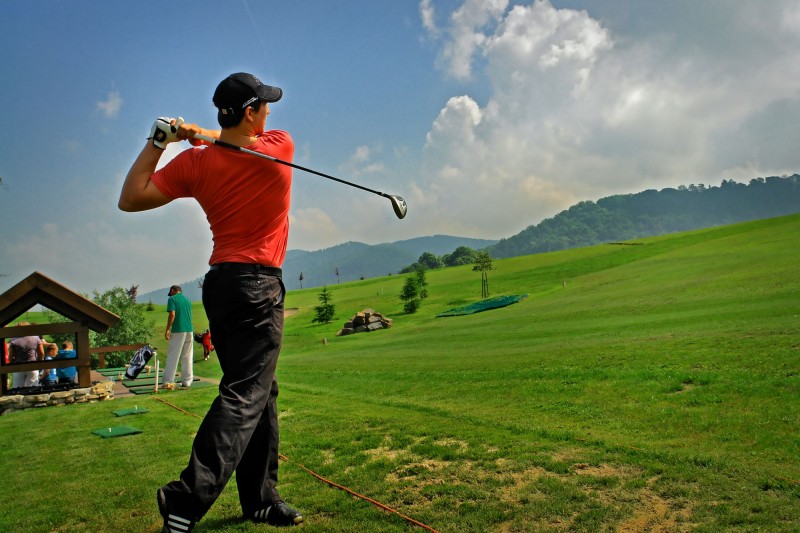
x,y
139,193
170,320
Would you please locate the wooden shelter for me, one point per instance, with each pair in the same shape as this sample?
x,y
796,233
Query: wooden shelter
x,y
85,315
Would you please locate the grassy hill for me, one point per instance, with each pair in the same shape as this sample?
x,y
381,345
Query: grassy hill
x,y
650,385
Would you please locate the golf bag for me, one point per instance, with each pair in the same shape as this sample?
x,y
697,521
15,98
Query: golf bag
x,y
139,360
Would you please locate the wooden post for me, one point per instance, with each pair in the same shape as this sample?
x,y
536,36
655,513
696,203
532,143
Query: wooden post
x,y
155,388
84,364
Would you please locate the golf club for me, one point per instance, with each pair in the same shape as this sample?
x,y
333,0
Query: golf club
x,y
398,203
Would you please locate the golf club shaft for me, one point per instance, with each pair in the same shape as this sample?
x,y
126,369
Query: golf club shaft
x,y
282,162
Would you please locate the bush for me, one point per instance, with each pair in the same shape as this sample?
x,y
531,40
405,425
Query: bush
x,y
324,311
415,289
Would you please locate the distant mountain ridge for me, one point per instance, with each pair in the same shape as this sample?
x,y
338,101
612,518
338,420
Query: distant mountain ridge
x,y
353,259
650,213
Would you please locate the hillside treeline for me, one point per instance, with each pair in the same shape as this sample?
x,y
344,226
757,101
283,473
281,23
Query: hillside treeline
x,y
649,213
463,255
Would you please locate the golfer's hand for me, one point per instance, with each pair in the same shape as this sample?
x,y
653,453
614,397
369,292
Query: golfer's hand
x,y
165,131
188,131
166,335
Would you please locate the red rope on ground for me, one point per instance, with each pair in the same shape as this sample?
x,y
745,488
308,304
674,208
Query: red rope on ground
x,y
357,495
176,407
329,482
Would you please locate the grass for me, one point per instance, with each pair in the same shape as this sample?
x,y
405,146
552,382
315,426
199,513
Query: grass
x,y
658,390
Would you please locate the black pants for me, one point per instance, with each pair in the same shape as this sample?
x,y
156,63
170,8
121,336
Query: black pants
x,y
240,431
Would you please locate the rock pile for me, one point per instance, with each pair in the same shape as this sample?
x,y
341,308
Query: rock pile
x,y
366,320
99,392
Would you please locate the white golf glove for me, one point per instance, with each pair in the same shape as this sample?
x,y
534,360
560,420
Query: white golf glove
x,y
163,132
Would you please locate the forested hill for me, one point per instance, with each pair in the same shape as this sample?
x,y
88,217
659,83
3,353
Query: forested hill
x,y
649,213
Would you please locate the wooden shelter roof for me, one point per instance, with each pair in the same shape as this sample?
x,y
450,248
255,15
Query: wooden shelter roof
x,y
39,289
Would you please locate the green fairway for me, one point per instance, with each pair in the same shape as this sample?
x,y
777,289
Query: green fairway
x,y
649,385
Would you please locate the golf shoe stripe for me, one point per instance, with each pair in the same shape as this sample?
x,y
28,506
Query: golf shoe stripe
x,y
177,523
261,514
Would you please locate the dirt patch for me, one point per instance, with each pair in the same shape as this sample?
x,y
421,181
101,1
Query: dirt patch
x,y
291,311
327,457
603,470
568,455
460,445
655,514
685,387
385,451
417,469
516,484
623,488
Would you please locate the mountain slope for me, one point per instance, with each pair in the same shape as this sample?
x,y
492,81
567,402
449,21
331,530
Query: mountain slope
x,y
651,212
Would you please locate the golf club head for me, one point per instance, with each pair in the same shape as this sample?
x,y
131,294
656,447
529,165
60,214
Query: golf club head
x,y
399,205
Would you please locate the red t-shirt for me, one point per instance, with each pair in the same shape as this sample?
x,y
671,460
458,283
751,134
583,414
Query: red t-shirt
x,y
245,198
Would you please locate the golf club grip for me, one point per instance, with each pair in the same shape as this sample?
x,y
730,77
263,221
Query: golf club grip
x,y
282,162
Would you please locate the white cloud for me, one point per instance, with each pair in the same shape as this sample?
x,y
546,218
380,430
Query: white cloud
x,y
111,106
310,226
428,16
362,163
577,112
465,35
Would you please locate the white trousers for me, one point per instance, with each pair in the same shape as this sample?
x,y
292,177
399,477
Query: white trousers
x,y
26,379
180,348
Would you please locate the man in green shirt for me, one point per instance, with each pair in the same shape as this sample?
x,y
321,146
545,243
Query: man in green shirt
x,y
179,334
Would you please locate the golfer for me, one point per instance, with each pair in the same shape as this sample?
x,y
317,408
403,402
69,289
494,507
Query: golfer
x,y
246,201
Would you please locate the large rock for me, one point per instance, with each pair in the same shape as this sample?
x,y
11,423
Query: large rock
x,y
365,321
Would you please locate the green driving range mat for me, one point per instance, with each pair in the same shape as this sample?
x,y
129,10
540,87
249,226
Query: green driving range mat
x,y
110,371
484,305
149,389
142,382
115,373
131,411
116,431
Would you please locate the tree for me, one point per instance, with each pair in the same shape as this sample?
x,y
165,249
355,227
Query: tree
x,y
422,283
133,293
410,294
415,289
132,327
483,264
463,255
301,280
337,275
324,311
430,261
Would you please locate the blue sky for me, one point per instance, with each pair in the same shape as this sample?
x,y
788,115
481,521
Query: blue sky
x,y
486,115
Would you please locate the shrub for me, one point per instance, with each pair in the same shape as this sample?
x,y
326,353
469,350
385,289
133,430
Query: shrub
x,y
324,311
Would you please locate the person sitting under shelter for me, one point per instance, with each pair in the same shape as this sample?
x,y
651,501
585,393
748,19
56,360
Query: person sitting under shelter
x,y
49,376
69,374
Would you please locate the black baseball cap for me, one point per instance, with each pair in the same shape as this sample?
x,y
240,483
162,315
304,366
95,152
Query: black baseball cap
x,y
239,90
